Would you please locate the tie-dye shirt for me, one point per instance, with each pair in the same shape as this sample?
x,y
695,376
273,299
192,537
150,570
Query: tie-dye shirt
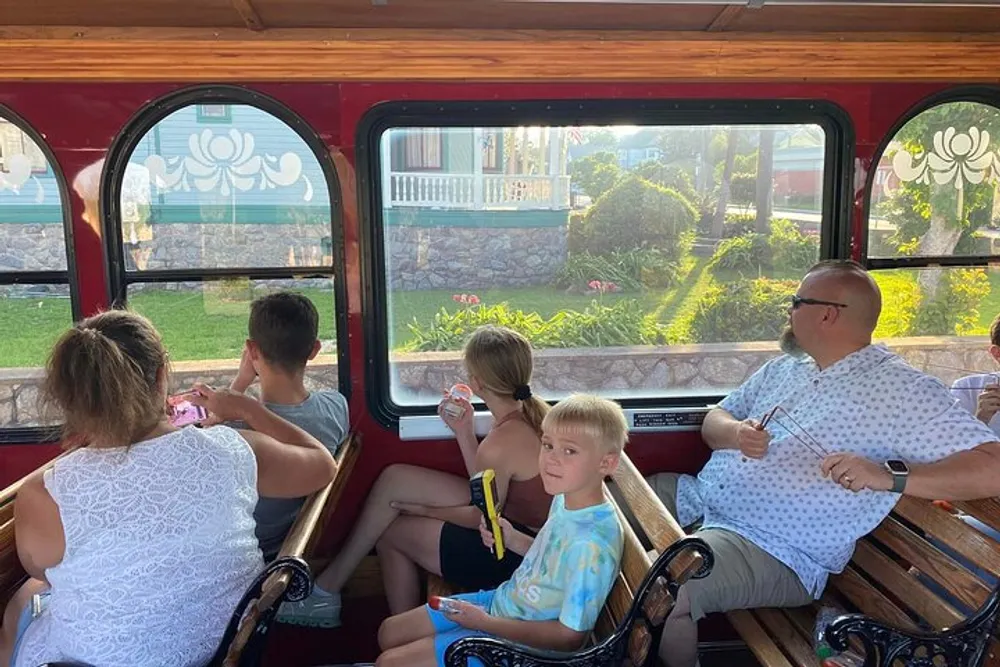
x,y
568,571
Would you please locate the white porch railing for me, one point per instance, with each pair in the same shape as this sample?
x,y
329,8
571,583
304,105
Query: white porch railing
x,y
467,191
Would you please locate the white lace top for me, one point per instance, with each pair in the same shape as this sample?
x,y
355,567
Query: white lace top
x,y
160,547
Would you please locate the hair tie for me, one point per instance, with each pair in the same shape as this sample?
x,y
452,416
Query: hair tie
x,y
522,393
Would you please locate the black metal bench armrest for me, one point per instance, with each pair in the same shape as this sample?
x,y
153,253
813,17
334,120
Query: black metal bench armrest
x,y
495,652
964,645
299,587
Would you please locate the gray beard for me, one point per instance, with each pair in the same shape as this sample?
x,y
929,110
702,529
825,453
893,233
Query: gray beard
x,y
788,343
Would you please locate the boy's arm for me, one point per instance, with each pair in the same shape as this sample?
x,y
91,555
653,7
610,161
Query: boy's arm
x,y
246,375
537,634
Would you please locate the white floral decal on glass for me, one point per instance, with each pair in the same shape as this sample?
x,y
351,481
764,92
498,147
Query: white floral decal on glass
x,y
226,163
957,157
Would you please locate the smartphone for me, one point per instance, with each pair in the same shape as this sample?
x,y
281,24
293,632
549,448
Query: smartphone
x,y
182,411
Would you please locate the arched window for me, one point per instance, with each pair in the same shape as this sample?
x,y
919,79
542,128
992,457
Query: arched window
x,y
36,295
934,233
216,202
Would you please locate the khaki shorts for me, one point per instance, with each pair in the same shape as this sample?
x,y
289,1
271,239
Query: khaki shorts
x,y
744,576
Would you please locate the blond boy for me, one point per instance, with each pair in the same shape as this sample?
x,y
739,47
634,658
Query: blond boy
x,y
555,595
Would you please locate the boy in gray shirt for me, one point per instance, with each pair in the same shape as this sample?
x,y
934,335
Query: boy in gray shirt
x,y
284,329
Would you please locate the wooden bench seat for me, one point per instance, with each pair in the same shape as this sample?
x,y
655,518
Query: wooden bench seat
x,y
895,616
631,620
287,578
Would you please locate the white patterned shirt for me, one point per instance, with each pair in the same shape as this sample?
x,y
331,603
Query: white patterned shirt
x,y
870,403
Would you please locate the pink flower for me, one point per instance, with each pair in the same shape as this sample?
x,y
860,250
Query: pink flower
x,y
473,299
464,298
457,298
594,284
611,287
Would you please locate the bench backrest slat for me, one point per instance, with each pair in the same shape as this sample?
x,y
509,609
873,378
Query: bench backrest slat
x,y
799,648
921,554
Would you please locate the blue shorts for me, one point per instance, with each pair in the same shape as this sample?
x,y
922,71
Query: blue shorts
x,y
24,620
447,631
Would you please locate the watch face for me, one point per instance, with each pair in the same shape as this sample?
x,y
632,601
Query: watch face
x,y
897,467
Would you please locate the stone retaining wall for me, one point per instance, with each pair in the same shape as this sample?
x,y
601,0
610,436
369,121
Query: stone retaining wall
x,y
465,258
680,369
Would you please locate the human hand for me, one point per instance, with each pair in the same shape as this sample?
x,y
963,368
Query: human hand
x,y
856,473
222,404
462,424
469,615
988,403
752,439
486,532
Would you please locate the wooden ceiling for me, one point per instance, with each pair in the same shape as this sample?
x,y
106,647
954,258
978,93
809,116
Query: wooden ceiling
x,y
496,15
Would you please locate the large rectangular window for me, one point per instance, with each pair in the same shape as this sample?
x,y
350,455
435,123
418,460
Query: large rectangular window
x,y
668,278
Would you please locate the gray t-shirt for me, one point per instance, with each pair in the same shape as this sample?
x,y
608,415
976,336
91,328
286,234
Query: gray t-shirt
x,y
324,416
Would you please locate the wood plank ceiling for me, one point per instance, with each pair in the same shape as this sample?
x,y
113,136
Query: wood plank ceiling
x,y
497,15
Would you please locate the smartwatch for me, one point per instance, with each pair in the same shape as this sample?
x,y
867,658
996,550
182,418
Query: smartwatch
x,y
899,471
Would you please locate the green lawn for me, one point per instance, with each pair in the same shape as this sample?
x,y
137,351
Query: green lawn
x,y
210,325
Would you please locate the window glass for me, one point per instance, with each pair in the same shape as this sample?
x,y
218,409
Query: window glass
x,y
935,186
34,310
640,261
204,324
242,192
935,194
31,214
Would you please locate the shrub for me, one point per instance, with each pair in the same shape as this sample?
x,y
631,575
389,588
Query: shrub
x,y
791,250
635,214
954,310
749,254
900,299
744,310
743,189
619,324
738,224
629,270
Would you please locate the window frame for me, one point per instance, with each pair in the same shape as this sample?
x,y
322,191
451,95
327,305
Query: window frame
x,y
44,434
112,179
225,119
834,236
988,95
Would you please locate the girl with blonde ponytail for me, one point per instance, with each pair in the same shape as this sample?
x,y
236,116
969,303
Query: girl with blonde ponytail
x,y
420,518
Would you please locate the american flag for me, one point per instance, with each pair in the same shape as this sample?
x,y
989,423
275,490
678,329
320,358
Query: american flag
x,y
576,135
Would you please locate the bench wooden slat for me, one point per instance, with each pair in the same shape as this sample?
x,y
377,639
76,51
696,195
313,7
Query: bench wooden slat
x,y
986,510
904,586
933,563
870,600
759,642
619,599
660,527
949,529
635,561
787,635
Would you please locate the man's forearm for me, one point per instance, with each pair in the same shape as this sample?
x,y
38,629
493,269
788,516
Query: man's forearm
x,y
967,475
719,429
537,634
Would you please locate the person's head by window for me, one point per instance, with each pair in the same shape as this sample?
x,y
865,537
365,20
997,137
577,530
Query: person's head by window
x,y
107,379
284,334
833,312
499,363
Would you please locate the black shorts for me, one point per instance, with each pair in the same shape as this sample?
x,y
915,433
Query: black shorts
x,y
468,564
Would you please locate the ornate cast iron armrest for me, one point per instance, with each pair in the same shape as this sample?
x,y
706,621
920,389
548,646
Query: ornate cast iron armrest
x,y
495,652
299,587
964,645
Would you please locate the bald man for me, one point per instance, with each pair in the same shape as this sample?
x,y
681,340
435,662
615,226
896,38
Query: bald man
x,y
811,453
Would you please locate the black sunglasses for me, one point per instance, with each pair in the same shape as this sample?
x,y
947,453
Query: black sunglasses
x,y
798,301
